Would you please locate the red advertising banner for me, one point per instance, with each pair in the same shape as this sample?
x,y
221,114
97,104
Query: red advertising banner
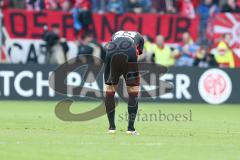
x,y
25,24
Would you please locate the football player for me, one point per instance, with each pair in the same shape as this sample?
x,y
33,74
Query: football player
x,y
121,51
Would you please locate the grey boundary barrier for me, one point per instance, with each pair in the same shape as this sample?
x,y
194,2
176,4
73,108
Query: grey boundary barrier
x,y
30,82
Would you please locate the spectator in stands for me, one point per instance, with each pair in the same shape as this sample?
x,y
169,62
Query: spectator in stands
x,y
147,4
88,47
223,53
187,39
187,51
35,4
134,6
147,55
2,4
19,4
115,6
51,5
196,3
56,49
231,6
165,6
82,16
99,5
187,9
66,5
204,59
83,4
99,50
163,54
206,9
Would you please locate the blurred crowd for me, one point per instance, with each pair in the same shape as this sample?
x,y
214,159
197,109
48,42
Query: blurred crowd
x,y
202,53
188,53
185,7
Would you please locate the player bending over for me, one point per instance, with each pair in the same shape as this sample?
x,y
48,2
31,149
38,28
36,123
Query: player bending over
x,y
124,48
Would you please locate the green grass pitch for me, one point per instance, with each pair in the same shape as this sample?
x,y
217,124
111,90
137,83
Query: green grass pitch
x,y
31,131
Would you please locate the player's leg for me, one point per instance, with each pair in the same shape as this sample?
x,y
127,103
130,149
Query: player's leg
x,y
132,79
133,92
110,105
133,88
111,76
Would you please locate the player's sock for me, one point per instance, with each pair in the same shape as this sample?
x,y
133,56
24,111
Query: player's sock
x,y
110,109
111,117
132,111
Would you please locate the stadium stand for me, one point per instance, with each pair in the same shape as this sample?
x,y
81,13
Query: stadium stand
x,y
203,49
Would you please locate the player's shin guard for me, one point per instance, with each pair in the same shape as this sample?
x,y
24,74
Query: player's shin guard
x,y
132,110
110,109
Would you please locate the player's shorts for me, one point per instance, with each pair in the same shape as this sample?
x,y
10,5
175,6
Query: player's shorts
x,y
119,55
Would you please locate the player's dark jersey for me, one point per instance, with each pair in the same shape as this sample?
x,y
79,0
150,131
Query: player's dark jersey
x,y
135,36
122,50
